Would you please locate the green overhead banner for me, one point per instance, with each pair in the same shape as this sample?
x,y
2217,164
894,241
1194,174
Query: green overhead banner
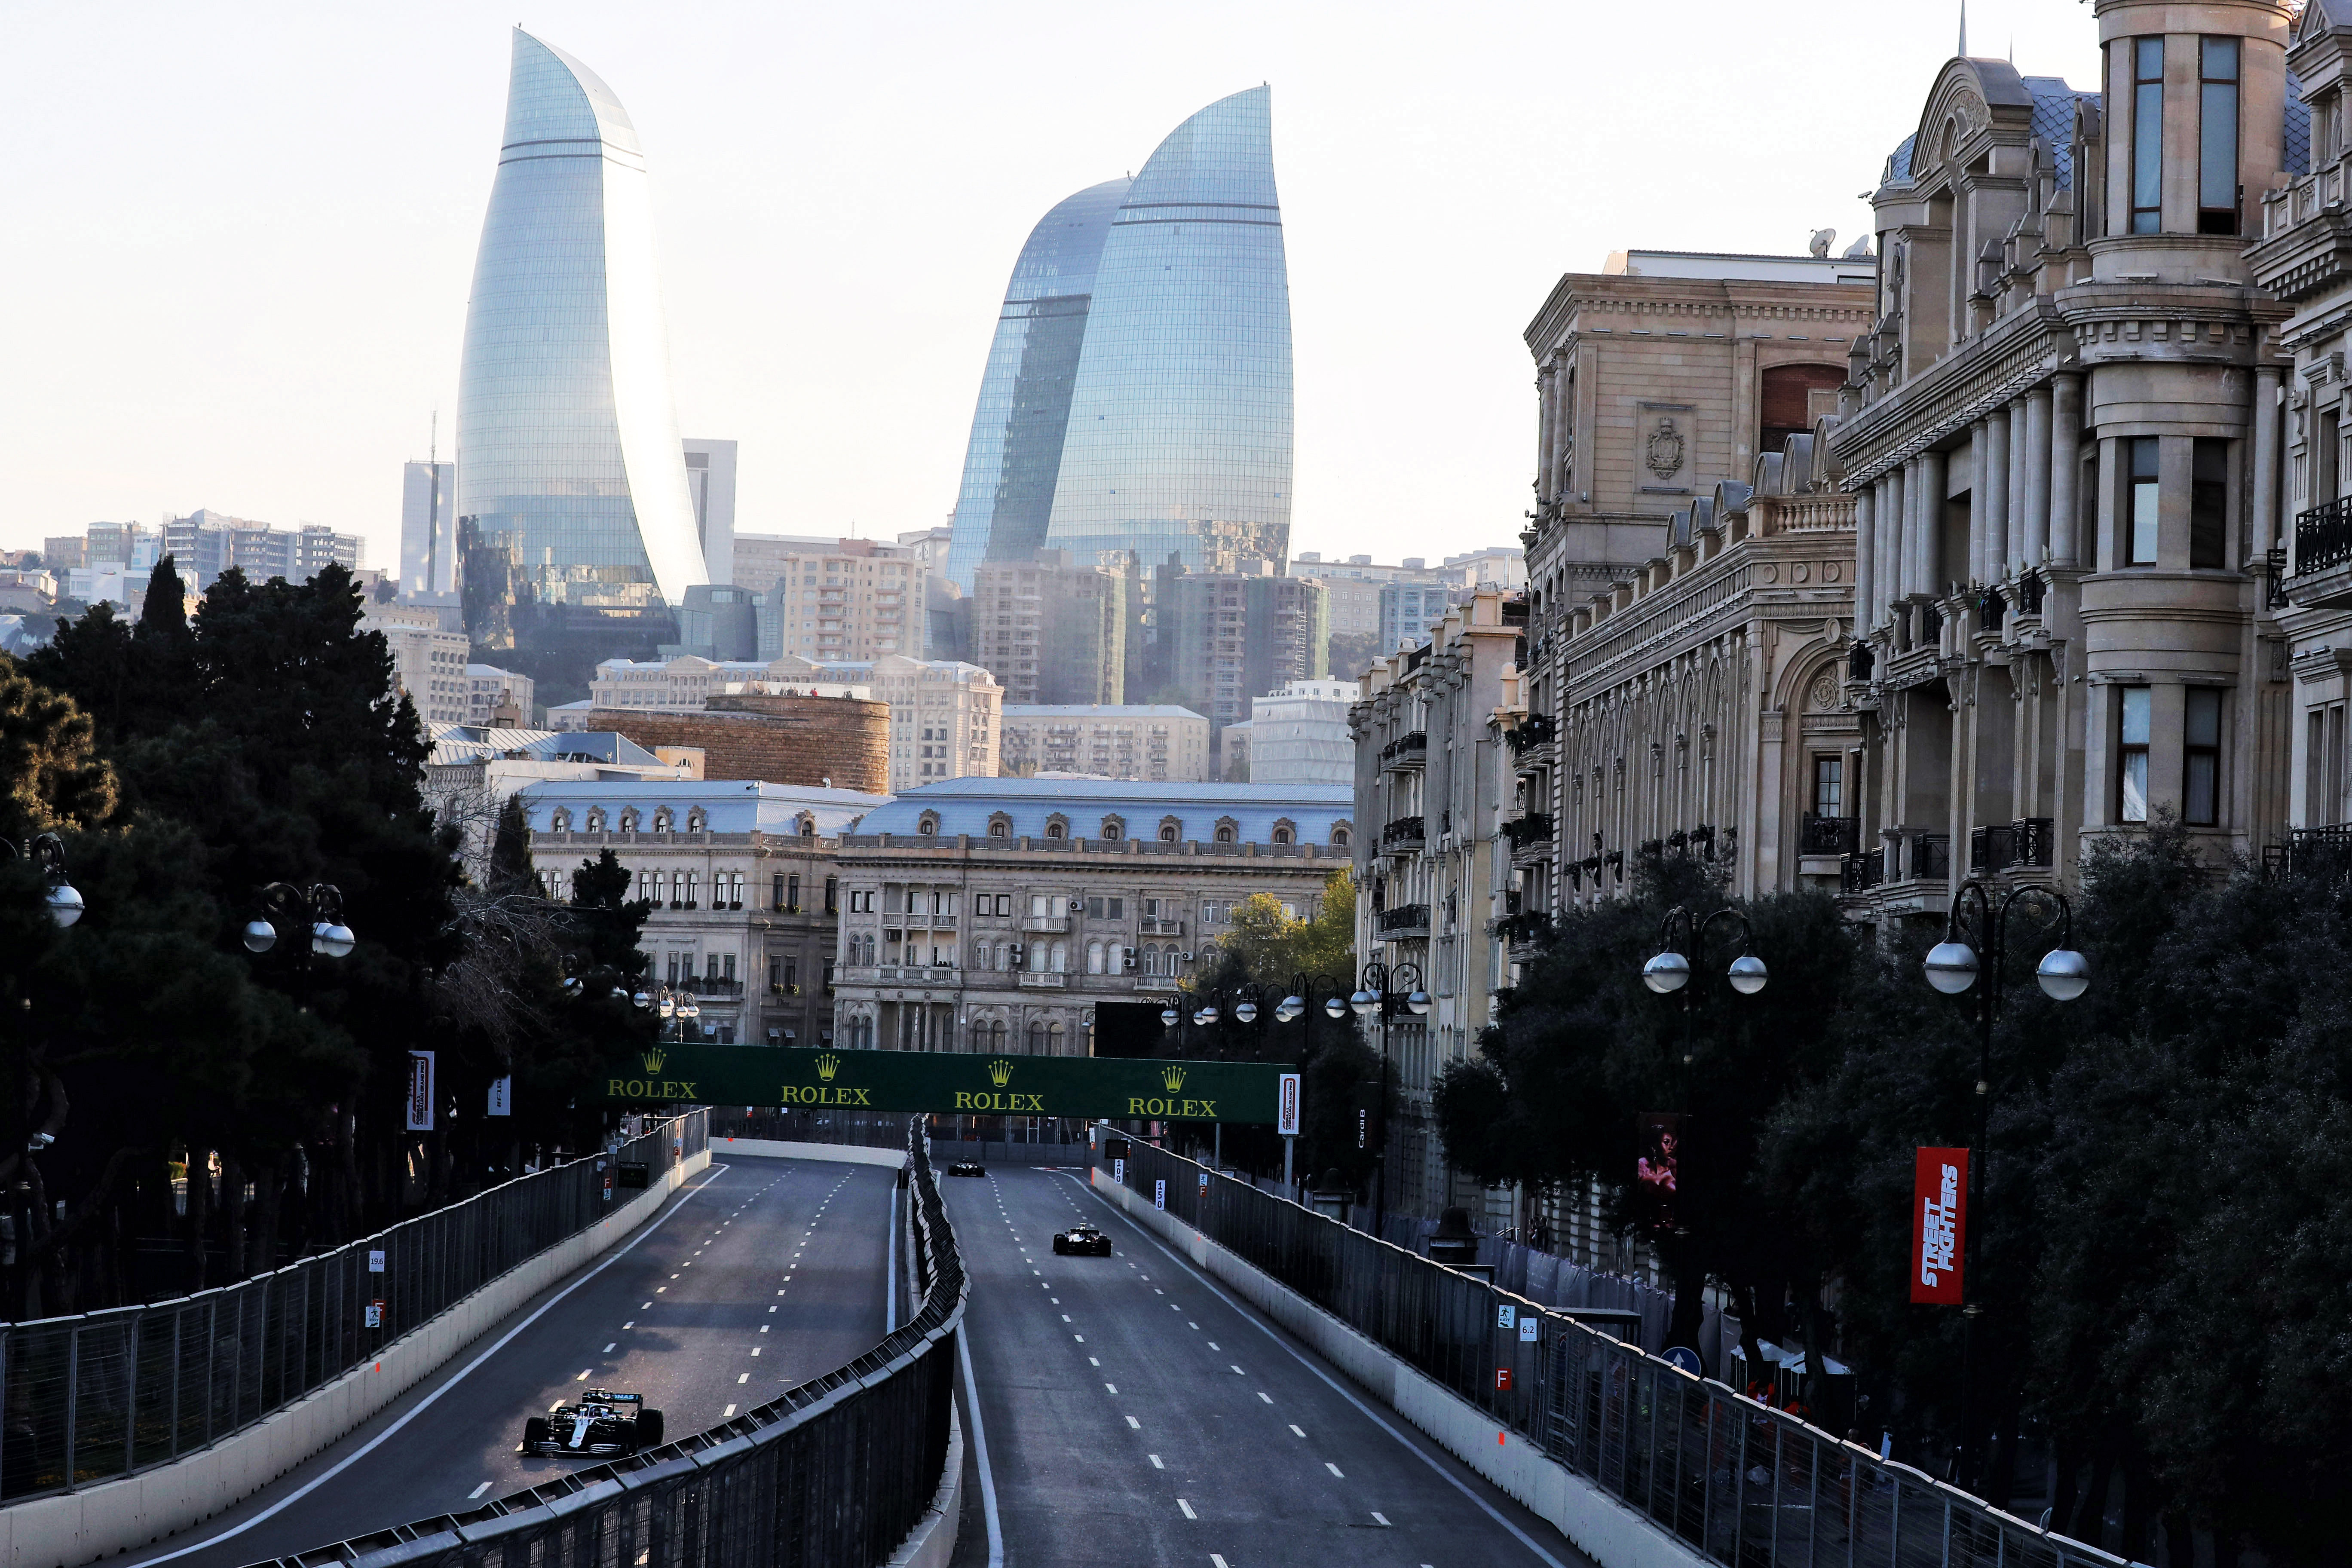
x,y
951,1083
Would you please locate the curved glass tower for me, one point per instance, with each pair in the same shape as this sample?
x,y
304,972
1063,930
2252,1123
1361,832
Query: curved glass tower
x,y
1015,451
571,480
1138,395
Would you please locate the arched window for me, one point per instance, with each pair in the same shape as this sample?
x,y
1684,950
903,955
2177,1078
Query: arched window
x,y
1338,838
808,826
1113,828
1115,959
697,821
1058,828
1282,835
996,1035
979,955
928,824
1036,1038
661,819
1094,958
560,821
1000,828
629,820
1061,962
595,819
1224,835
1053,1039
1171,830
655,882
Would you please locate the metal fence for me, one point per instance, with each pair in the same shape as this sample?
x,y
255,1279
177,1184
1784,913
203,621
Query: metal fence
x,y
97,1396
1743,1483
832,1475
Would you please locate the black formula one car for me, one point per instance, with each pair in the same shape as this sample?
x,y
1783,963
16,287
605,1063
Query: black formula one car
x,y
967,1168
601,1425
1083,1240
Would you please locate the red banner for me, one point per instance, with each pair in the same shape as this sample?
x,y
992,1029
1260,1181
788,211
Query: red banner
x,y
1940,1225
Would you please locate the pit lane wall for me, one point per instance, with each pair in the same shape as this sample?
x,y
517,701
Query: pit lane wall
x,y
80,1526
784,1149
1612,1534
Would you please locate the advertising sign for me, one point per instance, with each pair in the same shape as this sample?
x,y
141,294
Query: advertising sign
x,y
1940,1225
502,1095
420,1091
1286,1111
1657,1170
946,1083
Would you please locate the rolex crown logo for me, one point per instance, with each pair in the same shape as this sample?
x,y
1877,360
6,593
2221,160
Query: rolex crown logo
x,y
1173,1076
1000,1072
828,1065
655,1058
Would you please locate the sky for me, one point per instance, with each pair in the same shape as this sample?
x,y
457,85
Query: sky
x,y
239,238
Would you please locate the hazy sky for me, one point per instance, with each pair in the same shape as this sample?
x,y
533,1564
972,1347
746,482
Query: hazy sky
x,y
238,238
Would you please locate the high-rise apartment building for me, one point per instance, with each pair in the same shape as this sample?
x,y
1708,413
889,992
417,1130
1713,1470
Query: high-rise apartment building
x,y
1152,742
1409,609
577,526
1137,393
834,598
205,544
1297,736
1214,640
429,663
1050,629
428,529
710,484
500,697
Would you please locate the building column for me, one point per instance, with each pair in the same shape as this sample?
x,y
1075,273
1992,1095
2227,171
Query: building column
x,y
1979,444
1544,383
2266,459
2014,556
1886,587
1995,481
1864,504
2066,467
1563,425
1907,569
1931,565
2037,476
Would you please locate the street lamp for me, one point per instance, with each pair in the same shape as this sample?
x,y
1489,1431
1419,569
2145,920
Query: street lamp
x,y
1953,966
317,912
1668,971
1386,990
48,851
676,1006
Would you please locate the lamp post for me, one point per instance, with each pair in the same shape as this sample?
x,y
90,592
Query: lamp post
x,y
1669,971
1953,967
1297,1003
1384,989
677,1006
48,851
315,913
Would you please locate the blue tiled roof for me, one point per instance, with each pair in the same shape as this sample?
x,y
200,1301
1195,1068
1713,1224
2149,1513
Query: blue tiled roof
x,y
1898,162
731,806
965,805
2054,120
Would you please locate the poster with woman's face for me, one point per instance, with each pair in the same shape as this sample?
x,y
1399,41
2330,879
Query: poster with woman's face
x,y
1657,1167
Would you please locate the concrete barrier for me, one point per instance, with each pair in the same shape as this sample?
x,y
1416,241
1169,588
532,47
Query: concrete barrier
x,y
137,1511
932,1541
780,1148
1599,1525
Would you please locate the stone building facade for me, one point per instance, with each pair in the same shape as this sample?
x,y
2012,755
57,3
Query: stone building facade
x,y
1154,741
832,742
745,884
2062,435
994,915
1431,766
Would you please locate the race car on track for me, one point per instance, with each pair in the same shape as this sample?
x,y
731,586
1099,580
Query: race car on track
x,y
1083,1239
600,1424
967,1168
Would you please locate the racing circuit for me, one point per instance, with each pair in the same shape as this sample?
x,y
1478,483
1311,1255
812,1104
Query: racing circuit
x,y
759,1274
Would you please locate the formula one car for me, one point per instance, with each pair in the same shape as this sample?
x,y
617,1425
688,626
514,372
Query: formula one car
x,y
601,1425
967,1168
1083,1240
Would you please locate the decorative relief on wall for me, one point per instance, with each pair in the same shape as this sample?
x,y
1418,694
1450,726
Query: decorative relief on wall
x,y
1665,450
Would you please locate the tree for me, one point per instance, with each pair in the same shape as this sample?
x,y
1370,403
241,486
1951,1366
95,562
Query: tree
x,y
50,774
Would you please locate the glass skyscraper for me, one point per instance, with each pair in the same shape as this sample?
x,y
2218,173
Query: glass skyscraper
x,y
574,516
1144,355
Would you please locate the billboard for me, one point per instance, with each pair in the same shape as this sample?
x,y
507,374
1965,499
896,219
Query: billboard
x,y
1657,1168
1939,1226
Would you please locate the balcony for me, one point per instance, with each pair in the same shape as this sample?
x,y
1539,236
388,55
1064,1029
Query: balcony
x,y
2310,851
2323,556
1535,733
1405,919
1046,925
1526,926
1829,835
1929,856
1148,927
1528,832
1044,980
1406,751
1860,871
1404,834
1997,846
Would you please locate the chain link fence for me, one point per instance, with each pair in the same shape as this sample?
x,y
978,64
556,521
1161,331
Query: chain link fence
x,y
833,1474
94,1397
1738,1481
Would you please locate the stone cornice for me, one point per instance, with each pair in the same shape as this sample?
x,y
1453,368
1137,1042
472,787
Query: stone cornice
x,y
1697,606
1955,391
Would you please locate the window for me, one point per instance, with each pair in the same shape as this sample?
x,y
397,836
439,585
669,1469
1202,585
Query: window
x,y
1117,908
1053,1039
1282,835
1094,958
2208,503
831,903
1036,1038
2147,135
654,884
1339,839
2139,522
2217,136
792,894
1111,829
894,900
2131,773
1168,831
1095,908
672,966
1000,829
808,828
1054,830
1224,836
778,899
1040,905
2202,773
1829,787
928,825
1004,904
1060,962
727,967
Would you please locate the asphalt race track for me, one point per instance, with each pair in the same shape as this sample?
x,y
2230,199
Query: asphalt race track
x,y
759,1274
1134,1411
